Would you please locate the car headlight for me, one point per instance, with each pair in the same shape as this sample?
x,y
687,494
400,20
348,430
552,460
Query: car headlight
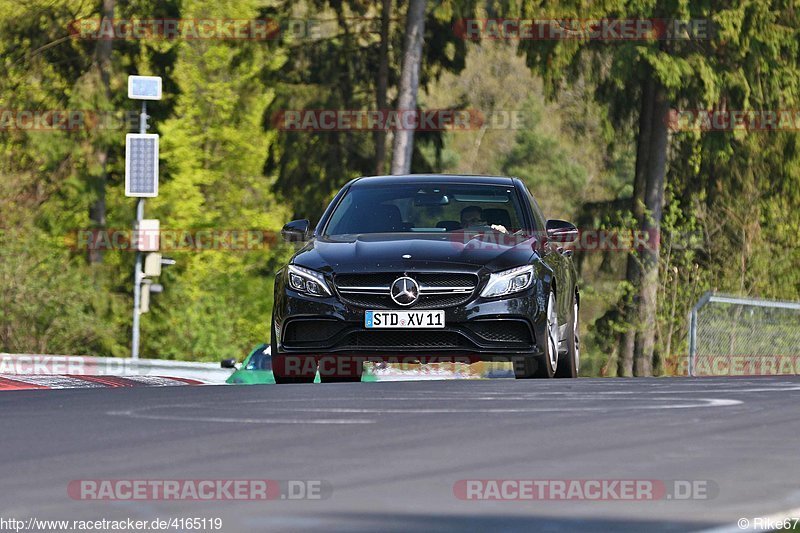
x,y
307,281
509,281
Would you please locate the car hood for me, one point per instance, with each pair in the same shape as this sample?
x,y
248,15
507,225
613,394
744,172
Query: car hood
x,y
381,252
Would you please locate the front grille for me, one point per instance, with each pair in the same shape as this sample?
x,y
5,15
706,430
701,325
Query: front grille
x,y
371,291
378,301
446,280
344,281
404,340
321,333
506,331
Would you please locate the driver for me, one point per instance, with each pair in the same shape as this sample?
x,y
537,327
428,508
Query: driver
x,y
472,217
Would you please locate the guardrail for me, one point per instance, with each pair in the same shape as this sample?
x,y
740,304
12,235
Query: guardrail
x,y
759,335
46,364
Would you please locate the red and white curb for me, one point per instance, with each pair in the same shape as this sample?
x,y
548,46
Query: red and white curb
x,y
38,381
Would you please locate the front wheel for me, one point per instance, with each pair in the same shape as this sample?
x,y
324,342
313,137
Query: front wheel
x,y
546,364
294,369
569,363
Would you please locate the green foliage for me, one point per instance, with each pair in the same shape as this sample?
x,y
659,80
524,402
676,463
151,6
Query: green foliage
x,y
730,221
547,164
338,72
217,303
720,184
213,153
51,301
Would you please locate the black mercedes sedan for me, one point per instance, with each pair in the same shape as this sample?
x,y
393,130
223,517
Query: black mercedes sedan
x,y
422,268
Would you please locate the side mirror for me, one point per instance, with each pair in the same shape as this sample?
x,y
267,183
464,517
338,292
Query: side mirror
x,y
228,363
561,231
296,231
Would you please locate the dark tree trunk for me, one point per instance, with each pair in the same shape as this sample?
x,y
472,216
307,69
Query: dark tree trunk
x,y
409,83
97,211
633,272
654,205
382,82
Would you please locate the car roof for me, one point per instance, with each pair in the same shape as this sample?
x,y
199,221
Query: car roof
x,y
428,178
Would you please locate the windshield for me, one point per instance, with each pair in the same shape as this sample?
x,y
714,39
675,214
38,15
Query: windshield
x,y
259,361
427,208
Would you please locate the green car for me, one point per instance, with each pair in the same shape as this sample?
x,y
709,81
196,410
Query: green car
x,y
256,369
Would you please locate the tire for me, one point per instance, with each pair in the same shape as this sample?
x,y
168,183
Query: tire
x,y
569,363
284,375
542,366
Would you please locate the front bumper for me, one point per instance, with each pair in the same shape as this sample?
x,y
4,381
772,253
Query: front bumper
x,y
481,329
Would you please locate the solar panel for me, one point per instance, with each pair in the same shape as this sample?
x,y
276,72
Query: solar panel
x,y
141,165
144,87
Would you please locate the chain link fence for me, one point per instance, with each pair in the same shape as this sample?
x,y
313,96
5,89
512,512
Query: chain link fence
x,y
731,335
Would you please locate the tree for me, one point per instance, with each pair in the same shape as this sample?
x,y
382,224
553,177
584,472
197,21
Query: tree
x,y
751,59
97,212
409,84
337,71
382,85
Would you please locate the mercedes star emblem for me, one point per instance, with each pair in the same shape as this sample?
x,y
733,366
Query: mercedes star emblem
x,y
405,291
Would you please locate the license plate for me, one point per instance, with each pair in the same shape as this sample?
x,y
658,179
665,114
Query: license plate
x,y
404,319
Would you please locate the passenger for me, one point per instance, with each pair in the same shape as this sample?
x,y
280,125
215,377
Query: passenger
x,y
472,217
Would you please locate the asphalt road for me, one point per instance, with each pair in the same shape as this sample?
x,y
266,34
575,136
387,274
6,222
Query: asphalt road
x,y
390,454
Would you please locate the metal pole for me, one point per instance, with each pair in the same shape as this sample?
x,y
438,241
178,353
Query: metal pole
x,y
692,340
137,269
143,118
137,287
707,296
